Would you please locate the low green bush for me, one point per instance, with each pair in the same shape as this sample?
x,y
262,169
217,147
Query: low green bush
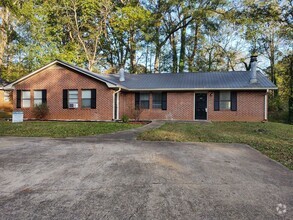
x,y
125,119
40,111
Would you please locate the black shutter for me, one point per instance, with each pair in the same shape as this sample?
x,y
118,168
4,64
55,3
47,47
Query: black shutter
x,y
137,99
233,101
93,98
216,101
164,101
44,96
18,98
65,98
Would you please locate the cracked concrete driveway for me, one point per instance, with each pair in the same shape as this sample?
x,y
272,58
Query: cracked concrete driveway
x,y
42,178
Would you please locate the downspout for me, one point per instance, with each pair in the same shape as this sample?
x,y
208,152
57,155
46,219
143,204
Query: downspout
x,y
266,105
116,104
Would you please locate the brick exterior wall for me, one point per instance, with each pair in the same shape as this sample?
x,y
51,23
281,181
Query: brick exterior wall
x,y
180,106
56,78
250,107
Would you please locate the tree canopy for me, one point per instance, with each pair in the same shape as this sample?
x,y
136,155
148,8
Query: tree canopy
x,y
146,36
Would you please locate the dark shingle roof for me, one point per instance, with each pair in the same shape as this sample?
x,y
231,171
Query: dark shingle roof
x,y
192,81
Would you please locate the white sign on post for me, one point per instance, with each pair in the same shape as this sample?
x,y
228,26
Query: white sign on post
x,y
17,117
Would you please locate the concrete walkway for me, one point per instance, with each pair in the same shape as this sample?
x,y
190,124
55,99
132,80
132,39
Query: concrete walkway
x,y
128,135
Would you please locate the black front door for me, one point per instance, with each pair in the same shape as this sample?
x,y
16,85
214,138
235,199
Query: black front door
x,y
201,106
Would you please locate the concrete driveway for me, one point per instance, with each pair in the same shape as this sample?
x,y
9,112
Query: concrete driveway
x,y
42,178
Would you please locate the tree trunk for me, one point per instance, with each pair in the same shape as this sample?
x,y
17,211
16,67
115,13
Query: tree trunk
x,y
174,54
182,49
157,59
132,46
190,60
157,52
210,60
273,74
272,61
4,15
90,65
146,59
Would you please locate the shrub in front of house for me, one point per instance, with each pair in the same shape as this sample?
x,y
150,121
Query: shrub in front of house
x,y
40,111
125,119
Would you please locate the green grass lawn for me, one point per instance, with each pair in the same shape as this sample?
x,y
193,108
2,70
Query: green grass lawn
x,y
272,139
60,129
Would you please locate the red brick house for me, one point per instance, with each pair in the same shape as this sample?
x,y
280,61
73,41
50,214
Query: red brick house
x,y
73,93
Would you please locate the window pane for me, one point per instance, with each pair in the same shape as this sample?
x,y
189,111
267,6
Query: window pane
x,y
86,103
72,92
225,105
72,96
225,96
144,96
74,101
157,100
225,100
86,94
144,104
38,94
37,101
26,103
26,95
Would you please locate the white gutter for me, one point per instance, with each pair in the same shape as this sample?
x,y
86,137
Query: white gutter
x,y
200,89
266,105
117,104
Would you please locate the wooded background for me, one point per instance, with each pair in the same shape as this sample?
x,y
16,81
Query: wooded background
x,y
151,36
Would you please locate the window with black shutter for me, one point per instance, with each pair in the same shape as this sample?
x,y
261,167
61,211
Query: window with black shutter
x,y
225,100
